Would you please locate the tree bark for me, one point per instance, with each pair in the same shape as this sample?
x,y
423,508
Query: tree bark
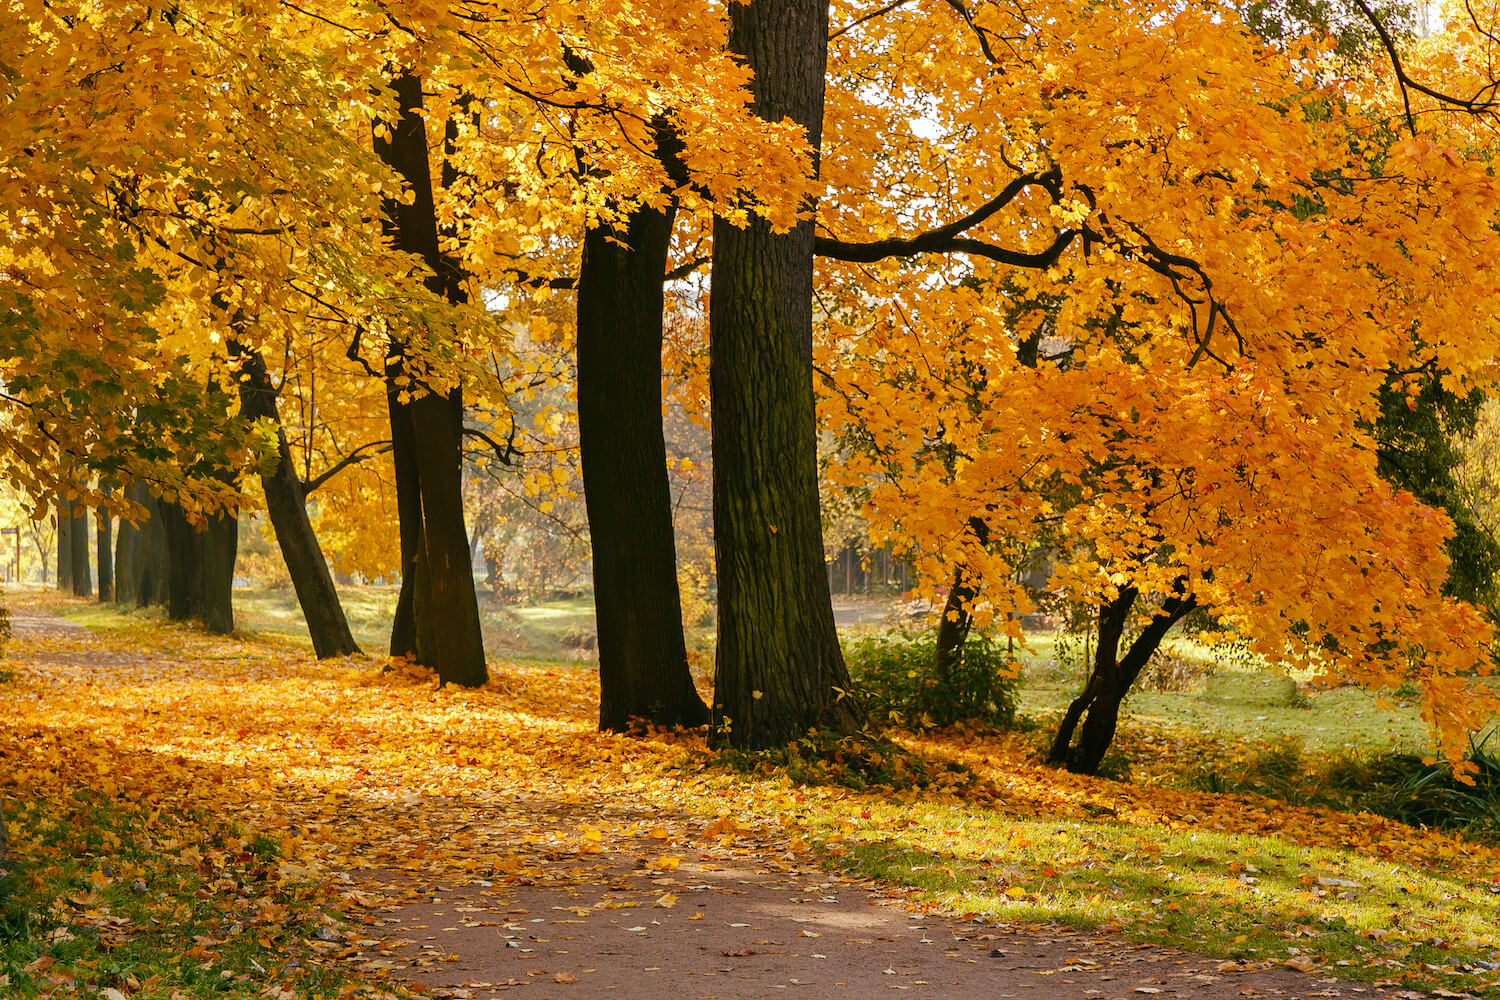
x,y
78,539
1098,705
643,668
105,555
153,567
404,638
958,611
286,505
127,553
64,545
427,431
200,578
780,670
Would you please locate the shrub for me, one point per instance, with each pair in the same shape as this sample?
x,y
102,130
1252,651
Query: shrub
x,y
896,680
1399,786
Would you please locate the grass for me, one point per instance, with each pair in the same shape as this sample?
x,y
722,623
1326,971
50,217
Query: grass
x,y
1241,702
1237,896
551,631
108,895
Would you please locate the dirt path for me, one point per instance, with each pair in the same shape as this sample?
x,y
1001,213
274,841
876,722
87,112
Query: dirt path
x,y
751,928
688,911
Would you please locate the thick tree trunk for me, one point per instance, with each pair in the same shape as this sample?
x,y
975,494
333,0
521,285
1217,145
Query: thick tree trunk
x,y
404,638
780,670
200,580
127,554
104,554
432,426
78,539
286,505
456,640
65,545
153,567
643,669
1097,707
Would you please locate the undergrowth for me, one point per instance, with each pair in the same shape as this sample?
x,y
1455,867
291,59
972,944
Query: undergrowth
x,y
1404,787
897,681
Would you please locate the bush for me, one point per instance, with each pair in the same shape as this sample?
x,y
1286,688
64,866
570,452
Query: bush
x,y
896,680
1399,786
1409,789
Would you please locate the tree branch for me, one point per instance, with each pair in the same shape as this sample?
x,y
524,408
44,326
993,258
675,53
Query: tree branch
x,y
356,456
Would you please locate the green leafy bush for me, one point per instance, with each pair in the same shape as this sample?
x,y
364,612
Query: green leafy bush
x,y
896,679
1399,786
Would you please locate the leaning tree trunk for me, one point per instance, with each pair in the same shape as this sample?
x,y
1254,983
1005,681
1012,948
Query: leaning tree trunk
x,y
444,607
780,670
286,505
1098,706
643,668
200,578
105,555
958,612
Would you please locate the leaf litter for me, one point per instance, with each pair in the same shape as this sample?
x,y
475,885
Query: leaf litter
x,y
372,784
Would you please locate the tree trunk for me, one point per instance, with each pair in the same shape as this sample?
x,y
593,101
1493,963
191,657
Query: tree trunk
x,y
78,544
153,567
1098,706
780,670
127,553
643,668
286,505
200,580
426,431
456,640
104,554
64,545
958,611
404,639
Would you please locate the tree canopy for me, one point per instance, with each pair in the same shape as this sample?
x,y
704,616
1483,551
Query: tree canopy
x,y
1133,282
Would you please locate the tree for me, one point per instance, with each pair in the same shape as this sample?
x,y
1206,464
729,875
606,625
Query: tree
x,y
780,671
286,503
64,544
78,549
200,566
643,669
442,627
104,554
1208,308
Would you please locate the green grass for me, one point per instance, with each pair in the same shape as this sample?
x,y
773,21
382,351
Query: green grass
x,y
551,631
1245,897
1240,702
105,895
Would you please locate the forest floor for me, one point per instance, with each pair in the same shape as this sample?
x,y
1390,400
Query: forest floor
x,y
195,816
